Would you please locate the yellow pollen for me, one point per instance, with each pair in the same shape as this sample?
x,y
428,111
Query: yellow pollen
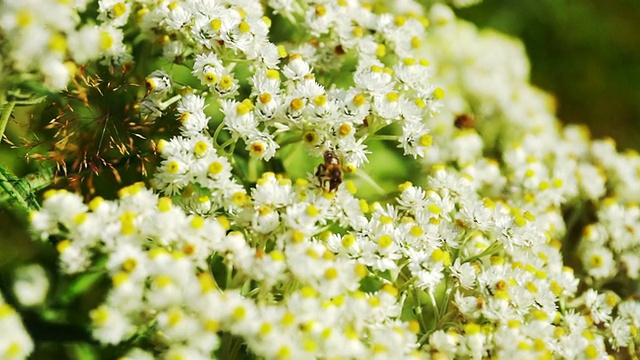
x,y
226,82
359,100
119,9
393,96
438,93
119,278
106,40
557,183
243,109
173,167
321,10
288,319
296,104
434,209
95,203
267,21
282,52
244,27
174,318
361,270
350,168
331,273
284,352
239,198
390,289
210,77
540,315
351,187
197,222
239,313
348,240
257,148
273,74
265,98
215,24
99,316
501,295
63,245
215,168
200,147
129,264
591,352
320,100
596,261
409,61
472,329
415,42
297,236
23,18
426,140
502,285
416,231
310,137
374,302
79,218
386,219
357,32
265,329
277,256
58,43
385,241
381,50
212,325
520,221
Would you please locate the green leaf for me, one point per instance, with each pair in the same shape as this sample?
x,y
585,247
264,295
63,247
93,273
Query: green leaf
x,y
82,351
81,285
22,191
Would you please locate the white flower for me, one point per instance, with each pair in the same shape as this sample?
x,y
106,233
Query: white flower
x,y
31,285
110,326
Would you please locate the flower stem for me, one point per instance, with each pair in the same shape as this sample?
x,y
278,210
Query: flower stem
x,y
383,137
7,109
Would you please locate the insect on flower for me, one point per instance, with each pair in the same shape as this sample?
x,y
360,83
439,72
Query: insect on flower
x,y
464,121
329,174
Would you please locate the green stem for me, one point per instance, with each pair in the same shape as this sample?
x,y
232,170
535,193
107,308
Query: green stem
x,y
7,109
372,182
226,346
291,139
217,133
384,137
493,248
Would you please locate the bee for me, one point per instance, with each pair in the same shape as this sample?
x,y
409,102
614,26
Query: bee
x,y
464,121
329,174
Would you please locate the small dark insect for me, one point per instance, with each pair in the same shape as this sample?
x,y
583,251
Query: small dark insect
x,y
329,174
464,121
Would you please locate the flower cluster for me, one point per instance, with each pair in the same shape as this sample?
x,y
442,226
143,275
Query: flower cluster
x,y
15,342
46,41
500,132
288,96
308,302
224,258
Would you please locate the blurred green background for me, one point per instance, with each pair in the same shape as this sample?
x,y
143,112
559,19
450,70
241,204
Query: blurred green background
x,y
585,52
